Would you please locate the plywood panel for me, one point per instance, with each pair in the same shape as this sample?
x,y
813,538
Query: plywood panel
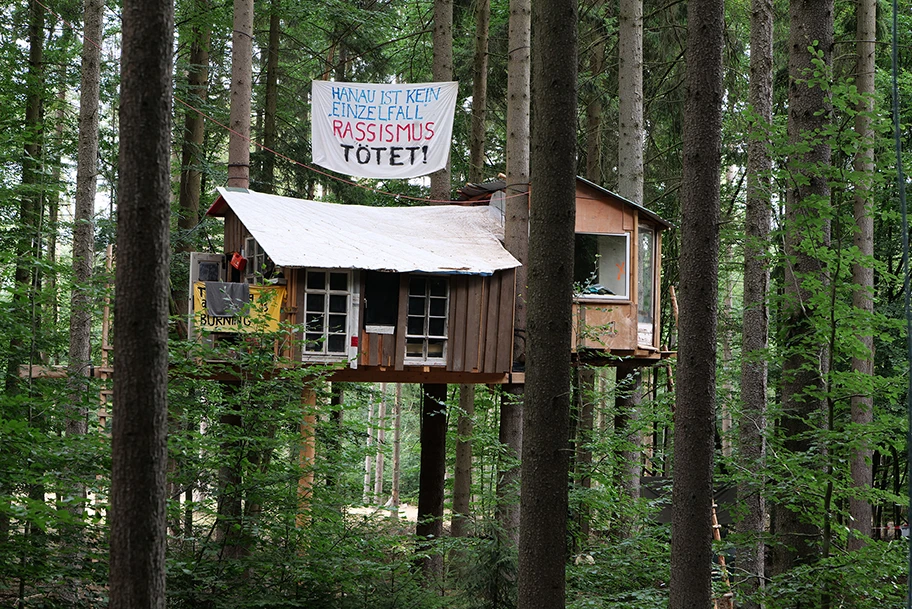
x,y
598,213
604,326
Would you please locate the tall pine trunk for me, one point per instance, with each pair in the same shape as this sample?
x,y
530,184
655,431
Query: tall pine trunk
x,y
546,415
442,70
692,493
862,273
431,475
516,241
137,515
755,333
462,477
806,228
479,91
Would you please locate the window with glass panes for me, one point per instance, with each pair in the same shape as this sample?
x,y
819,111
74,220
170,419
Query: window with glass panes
x,y
326,308
426,326
256,261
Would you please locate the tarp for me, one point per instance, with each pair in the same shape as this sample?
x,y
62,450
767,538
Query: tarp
x,y
435,239
382,130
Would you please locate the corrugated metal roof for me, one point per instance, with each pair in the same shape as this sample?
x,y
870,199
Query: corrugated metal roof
x,y
437,239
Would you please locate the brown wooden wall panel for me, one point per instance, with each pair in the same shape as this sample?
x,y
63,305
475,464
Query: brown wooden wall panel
x,y
493,316
474,287
457,323
235,233
387,349
373,349
296,295
400,324
504,336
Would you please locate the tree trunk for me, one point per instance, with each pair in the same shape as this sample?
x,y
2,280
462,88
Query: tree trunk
x,y
30,203
192,154
442,71
516,241
586,396
628,396
862,273
137,515
462,479
267,182
381,439
80,353
631,137
241,92
510,436
597,38
479,91
546,424
805,363
397,446
692,494
365,495
431,475
755,333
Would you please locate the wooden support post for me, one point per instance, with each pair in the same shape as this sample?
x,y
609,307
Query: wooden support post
x,y
307,453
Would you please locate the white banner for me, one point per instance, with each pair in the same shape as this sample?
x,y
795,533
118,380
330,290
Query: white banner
x,y
382,131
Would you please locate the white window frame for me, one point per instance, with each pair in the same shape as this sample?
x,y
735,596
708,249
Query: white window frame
x,y
351,297
426,336
611,297
256,261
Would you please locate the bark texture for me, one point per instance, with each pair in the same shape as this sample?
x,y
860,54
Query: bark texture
x,y
630,100
516,241
81,298
431,475
462,477
692,494
138,533
755,333
442,71
192,155
546,424
862,273
806,226
241,88
479,91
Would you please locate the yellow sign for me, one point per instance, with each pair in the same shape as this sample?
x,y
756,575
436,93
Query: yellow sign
x,y
262,316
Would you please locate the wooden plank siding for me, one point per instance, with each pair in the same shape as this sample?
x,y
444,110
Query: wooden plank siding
x,y
235,233
481,316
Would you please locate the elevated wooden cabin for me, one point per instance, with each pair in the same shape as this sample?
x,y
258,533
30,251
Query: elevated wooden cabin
x,y
425,294
398,294
618,275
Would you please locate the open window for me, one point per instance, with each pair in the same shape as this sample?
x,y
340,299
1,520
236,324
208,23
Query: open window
x,y
426,324
601,267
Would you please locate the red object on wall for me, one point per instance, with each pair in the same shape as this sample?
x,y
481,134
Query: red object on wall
x,y
238,262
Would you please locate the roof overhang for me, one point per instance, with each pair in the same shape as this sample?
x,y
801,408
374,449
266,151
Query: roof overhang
x,y
442,239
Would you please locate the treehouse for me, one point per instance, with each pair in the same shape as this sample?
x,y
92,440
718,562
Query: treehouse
x,y
417,294
617,274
